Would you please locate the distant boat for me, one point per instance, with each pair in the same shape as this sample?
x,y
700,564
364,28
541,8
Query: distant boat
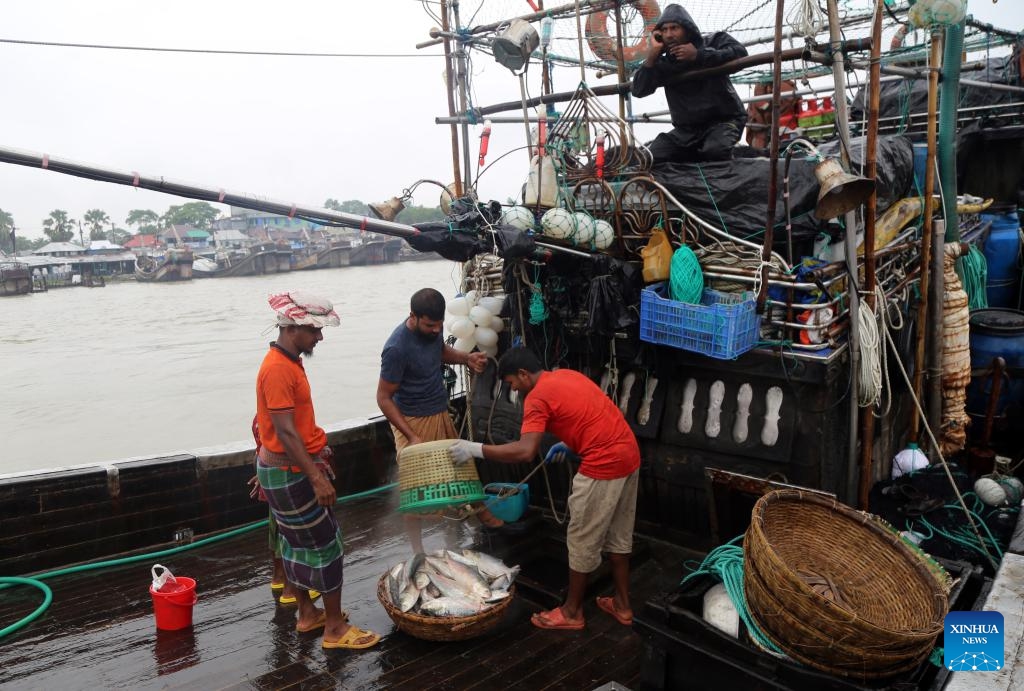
x,y
376,252
175,265
283,251
323,256
15,278
204,267
258,260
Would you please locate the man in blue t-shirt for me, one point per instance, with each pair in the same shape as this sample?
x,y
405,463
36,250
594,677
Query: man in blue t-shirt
x,y
411,392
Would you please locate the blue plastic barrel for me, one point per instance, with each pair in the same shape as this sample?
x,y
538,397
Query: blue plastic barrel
x,y
920,161
996,333
1002,252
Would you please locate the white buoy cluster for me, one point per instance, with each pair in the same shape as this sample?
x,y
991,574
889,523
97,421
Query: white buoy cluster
x,y
580,228
474,322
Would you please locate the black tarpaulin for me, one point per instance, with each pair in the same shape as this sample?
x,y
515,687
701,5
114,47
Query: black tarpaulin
x,y
733,195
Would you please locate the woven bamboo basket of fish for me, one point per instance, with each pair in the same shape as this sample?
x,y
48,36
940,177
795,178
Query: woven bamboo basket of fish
x,y
836,590
443,628
429,481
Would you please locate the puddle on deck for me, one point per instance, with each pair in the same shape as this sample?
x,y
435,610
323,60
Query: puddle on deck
x,y
100,631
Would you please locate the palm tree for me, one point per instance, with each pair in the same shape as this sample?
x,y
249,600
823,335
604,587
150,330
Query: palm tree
x,y
58,227
6,231
96,219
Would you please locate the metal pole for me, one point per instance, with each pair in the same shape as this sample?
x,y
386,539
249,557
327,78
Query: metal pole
x,y
850,239
920,363
221,196
867,437
726,68
773,158
210,194
449,80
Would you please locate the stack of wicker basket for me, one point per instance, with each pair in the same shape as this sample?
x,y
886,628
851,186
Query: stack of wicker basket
x,y
836,590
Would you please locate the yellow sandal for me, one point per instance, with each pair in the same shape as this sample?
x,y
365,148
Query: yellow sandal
x,y
291,599
348,641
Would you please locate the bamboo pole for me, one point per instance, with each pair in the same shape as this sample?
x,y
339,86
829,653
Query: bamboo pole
x,y
867,418
571,7
620,65
926,231
449,80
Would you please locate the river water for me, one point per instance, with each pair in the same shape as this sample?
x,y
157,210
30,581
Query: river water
x,y
141,369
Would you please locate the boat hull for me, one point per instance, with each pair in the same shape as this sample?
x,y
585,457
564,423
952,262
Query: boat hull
x,y
376,252
176,266
15,279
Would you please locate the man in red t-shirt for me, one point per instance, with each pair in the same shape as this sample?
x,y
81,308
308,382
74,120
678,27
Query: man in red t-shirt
x,y
602,503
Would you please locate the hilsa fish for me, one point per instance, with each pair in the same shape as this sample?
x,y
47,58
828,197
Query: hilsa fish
x,y
451,607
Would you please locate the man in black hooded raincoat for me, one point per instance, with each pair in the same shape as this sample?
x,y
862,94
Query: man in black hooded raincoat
x,y
707,115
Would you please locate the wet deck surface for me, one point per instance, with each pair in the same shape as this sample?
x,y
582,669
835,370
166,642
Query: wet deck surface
x,y
100,631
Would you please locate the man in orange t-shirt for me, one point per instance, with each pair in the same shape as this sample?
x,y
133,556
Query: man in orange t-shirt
x,y
602,503
291,471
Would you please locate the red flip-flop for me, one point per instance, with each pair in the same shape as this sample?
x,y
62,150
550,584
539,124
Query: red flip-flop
x,y
608,605
555,619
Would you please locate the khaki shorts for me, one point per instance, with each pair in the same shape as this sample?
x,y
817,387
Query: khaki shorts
x,y
603,512
430,428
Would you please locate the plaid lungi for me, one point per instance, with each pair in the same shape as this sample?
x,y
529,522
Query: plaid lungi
x,y
308,534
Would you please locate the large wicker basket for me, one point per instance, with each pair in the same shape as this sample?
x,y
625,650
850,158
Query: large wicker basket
x,y
429,481
442,628
836,590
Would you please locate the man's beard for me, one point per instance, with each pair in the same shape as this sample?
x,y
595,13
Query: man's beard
x,y
428,338
307,353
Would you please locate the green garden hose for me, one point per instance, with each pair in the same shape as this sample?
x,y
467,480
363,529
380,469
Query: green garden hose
x,y
37,581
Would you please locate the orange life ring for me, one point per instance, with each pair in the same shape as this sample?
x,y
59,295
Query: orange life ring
x,y
604,46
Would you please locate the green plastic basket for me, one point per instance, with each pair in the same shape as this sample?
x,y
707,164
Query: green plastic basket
x,y
428,480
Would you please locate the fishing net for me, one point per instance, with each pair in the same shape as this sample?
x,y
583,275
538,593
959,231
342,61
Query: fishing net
x,y
925,503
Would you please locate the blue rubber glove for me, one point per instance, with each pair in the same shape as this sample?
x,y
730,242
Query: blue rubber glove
x,y
560,453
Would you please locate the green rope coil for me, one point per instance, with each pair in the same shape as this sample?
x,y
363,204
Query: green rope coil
x,y
972,268
686,280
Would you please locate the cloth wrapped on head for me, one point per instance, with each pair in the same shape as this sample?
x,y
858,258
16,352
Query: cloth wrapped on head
x,y
299,308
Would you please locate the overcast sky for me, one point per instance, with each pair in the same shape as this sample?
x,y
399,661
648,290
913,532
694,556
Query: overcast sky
x,y
296,129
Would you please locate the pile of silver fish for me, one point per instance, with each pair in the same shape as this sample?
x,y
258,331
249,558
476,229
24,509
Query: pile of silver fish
x,y
447,583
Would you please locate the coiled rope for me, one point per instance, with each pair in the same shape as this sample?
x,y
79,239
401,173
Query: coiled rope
x,y
869,376
972,268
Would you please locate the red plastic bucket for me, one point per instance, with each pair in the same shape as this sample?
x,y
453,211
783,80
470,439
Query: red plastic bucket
x,y
172,604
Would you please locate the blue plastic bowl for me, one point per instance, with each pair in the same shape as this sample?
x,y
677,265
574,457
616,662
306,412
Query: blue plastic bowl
x,y
509,508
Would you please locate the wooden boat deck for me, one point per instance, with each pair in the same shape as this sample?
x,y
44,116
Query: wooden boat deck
x,y
100,631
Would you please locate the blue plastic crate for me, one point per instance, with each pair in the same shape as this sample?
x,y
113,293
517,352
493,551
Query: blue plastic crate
x,y
723,326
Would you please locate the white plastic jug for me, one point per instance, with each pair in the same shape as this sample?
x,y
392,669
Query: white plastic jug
x,y
909,460
547,194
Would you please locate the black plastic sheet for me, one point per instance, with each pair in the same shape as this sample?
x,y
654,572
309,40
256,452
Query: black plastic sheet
x,y
899,98
613,297
733,195
454,245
